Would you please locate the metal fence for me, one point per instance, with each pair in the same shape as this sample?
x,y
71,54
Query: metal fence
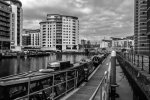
x,y
61,84
140,61
57,85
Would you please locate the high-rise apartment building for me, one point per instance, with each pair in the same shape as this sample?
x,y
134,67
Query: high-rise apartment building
x,y
148,21
60,32
5,11
16,24
140,27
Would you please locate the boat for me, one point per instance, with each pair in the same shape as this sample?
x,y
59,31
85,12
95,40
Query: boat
x,y
35,75
46,70
97,59
59,65
16,86
55,66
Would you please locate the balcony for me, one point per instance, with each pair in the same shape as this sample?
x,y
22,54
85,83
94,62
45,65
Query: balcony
x,y
5,9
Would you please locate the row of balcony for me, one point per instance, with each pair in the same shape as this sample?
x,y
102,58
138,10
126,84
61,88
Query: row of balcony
x,y
5,9
5,34
4,24
4,15
4,29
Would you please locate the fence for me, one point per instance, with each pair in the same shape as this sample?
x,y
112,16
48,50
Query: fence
x,y
140,61
57,84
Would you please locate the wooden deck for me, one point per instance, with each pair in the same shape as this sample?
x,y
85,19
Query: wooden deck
x,y
86,91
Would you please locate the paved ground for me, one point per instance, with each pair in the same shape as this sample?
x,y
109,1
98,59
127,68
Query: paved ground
x,y
86,91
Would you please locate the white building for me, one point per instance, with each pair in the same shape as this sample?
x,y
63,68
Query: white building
x,y
104,44
125,43
16,24
60,32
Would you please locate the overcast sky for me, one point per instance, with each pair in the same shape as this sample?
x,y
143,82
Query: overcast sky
x,y
98,18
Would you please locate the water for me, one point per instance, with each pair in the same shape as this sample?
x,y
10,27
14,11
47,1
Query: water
x,y
127,89
124,90
16,65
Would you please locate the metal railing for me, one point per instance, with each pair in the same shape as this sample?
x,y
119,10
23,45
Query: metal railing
x,y
61,84
134,64
102,90
140,61
57,84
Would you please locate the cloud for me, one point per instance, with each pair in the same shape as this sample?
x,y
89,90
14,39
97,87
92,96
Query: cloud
x,y
98,18
86,10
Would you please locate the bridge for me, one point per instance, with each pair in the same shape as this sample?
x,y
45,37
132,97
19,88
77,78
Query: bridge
x,y
87,82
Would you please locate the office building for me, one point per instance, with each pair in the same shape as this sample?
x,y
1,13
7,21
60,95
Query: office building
x,y
141,27
60,32
5,11
16,24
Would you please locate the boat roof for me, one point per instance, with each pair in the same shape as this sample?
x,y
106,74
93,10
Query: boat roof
x,y
30,76
17,79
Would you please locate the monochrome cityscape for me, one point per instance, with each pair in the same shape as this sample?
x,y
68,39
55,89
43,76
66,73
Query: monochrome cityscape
x,y
74,50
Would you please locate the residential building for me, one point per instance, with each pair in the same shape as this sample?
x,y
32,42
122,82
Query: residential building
x,y
141,27
25,39
148,22
31,38
16,24
105,43
60,32
123,43
5,11
83,42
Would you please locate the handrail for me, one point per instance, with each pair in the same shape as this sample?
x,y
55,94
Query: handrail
x,y
141,61
98,87
95,92
75,78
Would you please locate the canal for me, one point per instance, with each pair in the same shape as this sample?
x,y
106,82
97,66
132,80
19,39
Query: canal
x,y
127,88
21,65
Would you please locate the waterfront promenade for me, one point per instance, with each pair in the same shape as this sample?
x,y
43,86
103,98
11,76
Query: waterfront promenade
x,y
86,90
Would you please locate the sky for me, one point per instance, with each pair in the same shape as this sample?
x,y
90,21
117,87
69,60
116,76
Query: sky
x,y
98,19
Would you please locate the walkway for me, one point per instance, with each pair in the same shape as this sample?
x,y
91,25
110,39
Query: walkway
x,y
85,91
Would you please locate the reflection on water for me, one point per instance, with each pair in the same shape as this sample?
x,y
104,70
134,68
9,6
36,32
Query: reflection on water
x,y
127,90
15,66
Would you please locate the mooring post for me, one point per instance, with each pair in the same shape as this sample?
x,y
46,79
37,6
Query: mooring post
x,y
142,63
113,66
113,75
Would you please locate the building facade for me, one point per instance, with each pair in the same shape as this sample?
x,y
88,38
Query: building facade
x,y
5,11
105,43
31,38
25,39
141,27
148,21
16,24
60,32
122,43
